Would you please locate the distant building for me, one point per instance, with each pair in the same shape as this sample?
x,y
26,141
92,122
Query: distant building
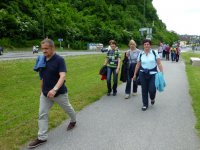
x,y
183,43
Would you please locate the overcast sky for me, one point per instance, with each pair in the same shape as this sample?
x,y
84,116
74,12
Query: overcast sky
x,y
181,16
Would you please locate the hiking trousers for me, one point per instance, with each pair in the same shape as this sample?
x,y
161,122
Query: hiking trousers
x,y
148,88
45,105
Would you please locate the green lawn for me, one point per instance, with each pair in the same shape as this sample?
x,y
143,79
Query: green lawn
x,y
193,75
20,90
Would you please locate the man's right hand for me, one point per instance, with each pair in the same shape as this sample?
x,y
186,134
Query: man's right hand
x,y
51,93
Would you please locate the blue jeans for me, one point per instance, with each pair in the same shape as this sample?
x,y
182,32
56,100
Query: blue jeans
x,y
111,71
173,56
177,57
129,75
148,87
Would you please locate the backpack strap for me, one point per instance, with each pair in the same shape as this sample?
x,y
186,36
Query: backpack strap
x,y
153,53
153,69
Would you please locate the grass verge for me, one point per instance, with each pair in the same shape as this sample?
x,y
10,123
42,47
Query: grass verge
x,y
193,75
20,90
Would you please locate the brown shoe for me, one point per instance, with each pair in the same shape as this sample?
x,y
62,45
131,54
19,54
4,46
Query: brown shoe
x,y
36,143
71,125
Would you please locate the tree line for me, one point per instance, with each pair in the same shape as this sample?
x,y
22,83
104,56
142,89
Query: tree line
x,y
78,22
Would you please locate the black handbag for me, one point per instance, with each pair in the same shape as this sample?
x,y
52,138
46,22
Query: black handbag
x,y
103,70
138,81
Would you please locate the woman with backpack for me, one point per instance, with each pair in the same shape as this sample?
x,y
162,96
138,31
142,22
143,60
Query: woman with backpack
x,y
147,63
132,55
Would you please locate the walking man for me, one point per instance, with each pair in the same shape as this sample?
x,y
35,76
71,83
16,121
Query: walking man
x,y
53,89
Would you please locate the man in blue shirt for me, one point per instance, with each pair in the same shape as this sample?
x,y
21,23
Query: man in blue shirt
x,y
53,89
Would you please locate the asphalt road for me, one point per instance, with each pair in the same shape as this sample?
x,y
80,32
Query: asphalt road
x,y
28,55
113,123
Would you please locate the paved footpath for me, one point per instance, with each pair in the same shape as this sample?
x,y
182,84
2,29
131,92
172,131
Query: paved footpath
x,y
113,123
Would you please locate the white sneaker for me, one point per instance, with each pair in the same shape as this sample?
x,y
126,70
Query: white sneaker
x,y
134,93
127,96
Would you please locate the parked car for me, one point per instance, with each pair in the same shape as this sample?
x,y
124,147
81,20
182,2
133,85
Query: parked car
x,y
104,49
35,49
1,50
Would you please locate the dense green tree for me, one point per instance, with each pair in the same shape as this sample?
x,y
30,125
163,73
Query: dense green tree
x,y
79,22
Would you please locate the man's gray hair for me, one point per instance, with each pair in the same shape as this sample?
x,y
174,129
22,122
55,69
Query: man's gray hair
x,y
49,41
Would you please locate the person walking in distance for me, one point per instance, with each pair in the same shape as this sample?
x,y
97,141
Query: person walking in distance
x,y
132,55
113,66
167,51
173,52
178,51
147,63
53,89
160,49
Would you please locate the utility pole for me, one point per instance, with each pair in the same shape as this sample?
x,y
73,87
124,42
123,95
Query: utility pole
x,y
144,13
42,18
43,21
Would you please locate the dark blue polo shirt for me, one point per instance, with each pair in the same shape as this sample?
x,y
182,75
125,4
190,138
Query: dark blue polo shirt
x,y
50,74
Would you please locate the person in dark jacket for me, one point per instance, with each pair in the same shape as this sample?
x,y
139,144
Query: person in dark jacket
x,y
103,72
132,55
124,68
178,51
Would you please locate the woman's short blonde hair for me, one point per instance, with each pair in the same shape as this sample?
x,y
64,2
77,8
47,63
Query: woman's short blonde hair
x,y
132,42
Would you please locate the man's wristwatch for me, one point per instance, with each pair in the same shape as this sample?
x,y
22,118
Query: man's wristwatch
x,y
55,89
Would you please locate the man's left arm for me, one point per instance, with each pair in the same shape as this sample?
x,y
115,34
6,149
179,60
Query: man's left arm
x,y
62,73
60,82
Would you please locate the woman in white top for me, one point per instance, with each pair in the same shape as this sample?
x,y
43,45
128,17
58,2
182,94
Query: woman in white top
x,y
147,63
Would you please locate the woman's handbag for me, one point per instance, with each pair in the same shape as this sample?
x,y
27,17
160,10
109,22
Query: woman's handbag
x,y
103,72
138,81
